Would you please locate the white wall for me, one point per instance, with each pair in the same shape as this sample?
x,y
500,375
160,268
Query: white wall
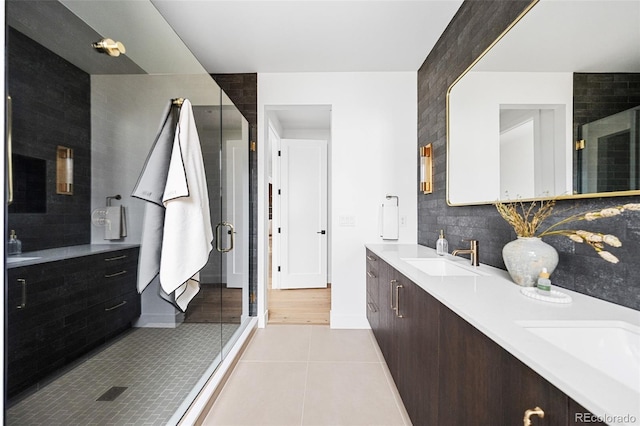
x,y
474,127
374,153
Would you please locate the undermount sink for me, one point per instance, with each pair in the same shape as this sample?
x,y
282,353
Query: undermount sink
x,y
612,347
443,267
12,259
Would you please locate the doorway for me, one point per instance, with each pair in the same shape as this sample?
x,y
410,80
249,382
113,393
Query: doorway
x,y
299,140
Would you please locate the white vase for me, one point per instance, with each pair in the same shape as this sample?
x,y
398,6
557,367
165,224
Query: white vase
x,y
525,258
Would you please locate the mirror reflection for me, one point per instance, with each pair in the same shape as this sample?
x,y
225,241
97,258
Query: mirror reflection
x,y
515,115
79,335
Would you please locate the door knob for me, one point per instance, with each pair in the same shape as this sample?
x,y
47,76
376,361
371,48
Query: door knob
x,y
322,232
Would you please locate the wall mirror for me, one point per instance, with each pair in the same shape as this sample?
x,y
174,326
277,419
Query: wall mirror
x,y
563,72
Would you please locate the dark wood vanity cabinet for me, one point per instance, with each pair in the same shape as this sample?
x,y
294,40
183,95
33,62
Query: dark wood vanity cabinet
x,y
406,328
59,310
447,371
480,380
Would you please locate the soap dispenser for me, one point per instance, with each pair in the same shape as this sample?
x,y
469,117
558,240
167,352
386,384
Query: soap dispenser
x,y
15,245
442,245
544,283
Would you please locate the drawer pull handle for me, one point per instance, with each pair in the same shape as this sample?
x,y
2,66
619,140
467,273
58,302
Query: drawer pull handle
x,y
371,307
391,283
527,415
124,302
370,275
115,275
397,308
373,259
23,302
109,259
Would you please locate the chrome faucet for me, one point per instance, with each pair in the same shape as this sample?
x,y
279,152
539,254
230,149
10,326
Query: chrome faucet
x,y
473,251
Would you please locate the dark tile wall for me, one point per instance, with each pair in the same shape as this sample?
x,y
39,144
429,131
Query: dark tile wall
x,y
475,26
242,89
51,106
598,95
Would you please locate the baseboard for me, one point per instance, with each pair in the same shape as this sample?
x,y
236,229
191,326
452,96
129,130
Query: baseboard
x,y
159,320
349,321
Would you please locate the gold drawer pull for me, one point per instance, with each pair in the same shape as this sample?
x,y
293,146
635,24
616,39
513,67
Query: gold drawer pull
x,y
116,274
391,283
371,307
109,259
527,415
370,275
397,308
124,302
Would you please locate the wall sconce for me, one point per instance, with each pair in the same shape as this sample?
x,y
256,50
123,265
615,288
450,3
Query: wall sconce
x,y
426,169
64,170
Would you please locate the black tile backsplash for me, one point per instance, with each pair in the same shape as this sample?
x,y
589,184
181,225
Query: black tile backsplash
x,y
51,106
476,25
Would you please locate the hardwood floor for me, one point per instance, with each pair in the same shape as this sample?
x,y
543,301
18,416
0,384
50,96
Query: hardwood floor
x,y
298,306
215,303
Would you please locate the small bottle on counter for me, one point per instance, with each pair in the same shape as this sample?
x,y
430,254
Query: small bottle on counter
x,y
544,283
15,245
442,245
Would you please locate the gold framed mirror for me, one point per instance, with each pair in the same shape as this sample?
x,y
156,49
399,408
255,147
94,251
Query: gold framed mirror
x,y
531,75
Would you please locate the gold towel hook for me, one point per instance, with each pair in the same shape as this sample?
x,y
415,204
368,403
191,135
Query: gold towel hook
x,y
178,101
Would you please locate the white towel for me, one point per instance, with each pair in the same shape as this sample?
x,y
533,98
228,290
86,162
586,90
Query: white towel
x,y
389,219
188,234
116,225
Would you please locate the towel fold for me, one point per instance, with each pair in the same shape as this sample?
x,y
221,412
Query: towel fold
x,y
116,224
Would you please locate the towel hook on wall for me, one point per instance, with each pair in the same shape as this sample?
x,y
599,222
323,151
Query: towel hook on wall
x,y
177,101
117,197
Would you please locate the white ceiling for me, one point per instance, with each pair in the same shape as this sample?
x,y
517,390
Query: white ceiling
x,y
237,36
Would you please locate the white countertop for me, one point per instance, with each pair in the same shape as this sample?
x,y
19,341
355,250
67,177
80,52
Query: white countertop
x,y
61,253
494,305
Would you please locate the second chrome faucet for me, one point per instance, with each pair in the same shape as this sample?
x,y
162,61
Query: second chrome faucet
x,y
473,251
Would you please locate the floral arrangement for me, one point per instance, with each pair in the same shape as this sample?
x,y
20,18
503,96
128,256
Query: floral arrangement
x,y
526,220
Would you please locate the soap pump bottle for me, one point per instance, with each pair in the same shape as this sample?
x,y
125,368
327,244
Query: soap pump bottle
x,y
15,245
544,283
442,245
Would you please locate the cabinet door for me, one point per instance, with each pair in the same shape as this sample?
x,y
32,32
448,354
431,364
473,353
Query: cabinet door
x,y
416,331
121,302
470,375
386,336
525,389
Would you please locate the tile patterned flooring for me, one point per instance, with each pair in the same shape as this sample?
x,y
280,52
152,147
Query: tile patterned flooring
x,y
309,375
159,367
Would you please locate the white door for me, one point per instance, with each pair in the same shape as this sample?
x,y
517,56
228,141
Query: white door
x,y
303,214
236,194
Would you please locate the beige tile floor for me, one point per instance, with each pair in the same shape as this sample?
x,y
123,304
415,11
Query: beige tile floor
x,y
309,375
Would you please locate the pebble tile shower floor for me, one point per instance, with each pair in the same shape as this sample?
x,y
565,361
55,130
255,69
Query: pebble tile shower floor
x,y
158,366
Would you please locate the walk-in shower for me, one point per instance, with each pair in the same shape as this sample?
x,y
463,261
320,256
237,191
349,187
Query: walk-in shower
x,y
108,108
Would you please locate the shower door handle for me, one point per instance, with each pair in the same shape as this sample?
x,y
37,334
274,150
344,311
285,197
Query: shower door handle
x,y
231,231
